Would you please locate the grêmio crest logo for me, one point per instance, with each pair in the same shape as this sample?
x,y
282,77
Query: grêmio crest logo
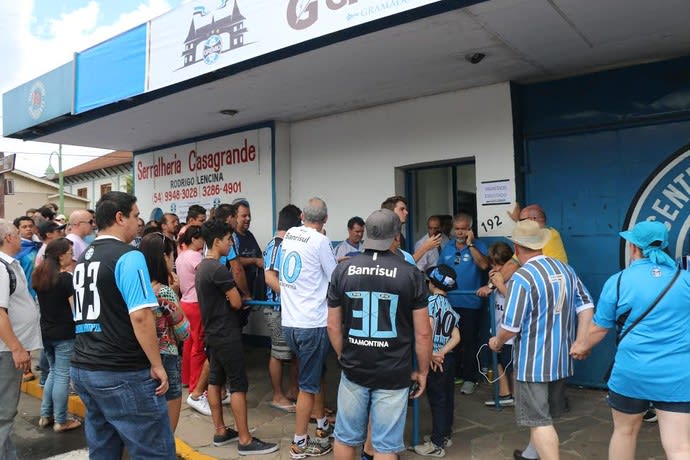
x,y
212,33
665,197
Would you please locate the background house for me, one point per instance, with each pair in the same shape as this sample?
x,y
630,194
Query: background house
x,y
23,191
92,179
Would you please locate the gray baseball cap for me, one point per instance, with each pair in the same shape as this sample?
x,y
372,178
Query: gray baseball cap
x,y
382,226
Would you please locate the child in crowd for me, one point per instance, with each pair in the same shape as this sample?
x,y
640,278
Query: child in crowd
x,y
499,255
220,304
445,324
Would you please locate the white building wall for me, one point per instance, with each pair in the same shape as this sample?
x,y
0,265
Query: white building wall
x,y
350,159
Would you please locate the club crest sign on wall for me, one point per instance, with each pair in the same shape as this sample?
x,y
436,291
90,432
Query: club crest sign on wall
x,y
665,197
37,100
212,33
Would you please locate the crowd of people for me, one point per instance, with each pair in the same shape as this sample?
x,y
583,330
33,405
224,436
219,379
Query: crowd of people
x,y
127,312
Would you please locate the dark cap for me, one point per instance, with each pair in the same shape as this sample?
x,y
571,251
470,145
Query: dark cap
x,y
442,276
382,227
48,226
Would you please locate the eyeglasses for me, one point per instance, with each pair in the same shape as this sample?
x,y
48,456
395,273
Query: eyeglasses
x,y
90,222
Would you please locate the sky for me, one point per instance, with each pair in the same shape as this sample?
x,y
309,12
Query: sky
x,y
37,36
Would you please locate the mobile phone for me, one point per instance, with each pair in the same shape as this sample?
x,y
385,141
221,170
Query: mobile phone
x,y
414,387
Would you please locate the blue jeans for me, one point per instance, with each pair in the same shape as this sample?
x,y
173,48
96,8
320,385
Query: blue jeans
x,y
440,389
10,382
56,389
388,410
122,409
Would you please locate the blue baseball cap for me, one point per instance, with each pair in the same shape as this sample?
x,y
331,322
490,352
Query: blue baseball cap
x,y
644,234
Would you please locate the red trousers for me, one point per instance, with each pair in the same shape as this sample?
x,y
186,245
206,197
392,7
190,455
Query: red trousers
x,y
194,356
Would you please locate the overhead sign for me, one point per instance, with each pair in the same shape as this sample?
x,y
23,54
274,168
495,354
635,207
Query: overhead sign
x,y
205,35
207,173
111,71
665,197
41,99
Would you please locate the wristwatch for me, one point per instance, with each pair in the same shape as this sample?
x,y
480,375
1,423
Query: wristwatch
x,y
471,245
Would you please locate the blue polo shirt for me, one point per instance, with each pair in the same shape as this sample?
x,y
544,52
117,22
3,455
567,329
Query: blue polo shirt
x,y
469,275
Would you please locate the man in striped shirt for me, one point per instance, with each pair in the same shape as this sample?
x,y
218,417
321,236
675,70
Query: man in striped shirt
x,y
545,299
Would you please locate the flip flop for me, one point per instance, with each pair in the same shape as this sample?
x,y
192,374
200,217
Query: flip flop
x,y
289,408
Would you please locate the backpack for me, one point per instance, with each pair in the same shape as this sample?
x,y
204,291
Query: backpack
x,y
10,273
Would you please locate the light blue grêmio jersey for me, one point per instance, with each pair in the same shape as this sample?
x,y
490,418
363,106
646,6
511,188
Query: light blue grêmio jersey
x,y
445,319
543,300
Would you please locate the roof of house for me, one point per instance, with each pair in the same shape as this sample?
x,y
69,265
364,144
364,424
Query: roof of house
x,y
119,157
43,181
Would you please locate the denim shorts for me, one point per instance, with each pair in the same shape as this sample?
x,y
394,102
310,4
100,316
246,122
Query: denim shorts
x,y
310,346
537,403
171,363
388,411
629,405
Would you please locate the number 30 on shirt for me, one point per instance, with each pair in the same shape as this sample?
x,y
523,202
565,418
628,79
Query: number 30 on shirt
x,y
373,305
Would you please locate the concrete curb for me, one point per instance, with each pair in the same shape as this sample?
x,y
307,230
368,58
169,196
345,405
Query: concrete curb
x,y
76,407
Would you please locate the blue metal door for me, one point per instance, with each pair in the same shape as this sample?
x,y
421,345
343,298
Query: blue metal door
x,y
587,183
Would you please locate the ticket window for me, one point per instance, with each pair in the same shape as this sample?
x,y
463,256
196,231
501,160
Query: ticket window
x,y
438,190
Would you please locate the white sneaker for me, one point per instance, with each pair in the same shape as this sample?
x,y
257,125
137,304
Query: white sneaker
x,y
200,405
468,387
448,442
429,449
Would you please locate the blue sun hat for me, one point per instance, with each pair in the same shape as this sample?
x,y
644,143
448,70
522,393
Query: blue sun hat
x,y
652,238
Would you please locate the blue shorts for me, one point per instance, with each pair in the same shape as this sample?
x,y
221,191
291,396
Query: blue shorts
x,y
171,363
388,410
310,346
629,405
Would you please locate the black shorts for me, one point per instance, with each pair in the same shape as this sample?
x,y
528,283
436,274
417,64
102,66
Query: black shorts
x,y
505,359
629,405
226,361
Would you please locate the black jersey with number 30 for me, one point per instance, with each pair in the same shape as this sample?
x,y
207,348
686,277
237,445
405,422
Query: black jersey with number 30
x,y
377,292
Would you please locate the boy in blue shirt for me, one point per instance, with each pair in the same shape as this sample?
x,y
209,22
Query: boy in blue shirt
x,y
445,325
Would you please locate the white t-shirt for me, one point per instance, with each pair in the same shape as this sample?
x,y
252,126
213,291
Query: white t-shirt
x,y
306,265
499,307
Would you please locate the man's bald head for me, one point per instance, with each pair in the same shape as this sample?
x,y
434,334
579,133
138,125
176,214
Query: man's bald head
x,y
534,212
81,222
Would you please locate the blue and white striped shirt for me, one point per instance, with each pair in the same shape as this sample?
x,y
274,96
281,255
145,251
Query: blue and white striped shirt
x,y
543,300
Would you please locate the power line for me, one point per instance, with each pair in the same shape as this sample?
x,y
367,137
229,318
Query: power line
x,y
66,154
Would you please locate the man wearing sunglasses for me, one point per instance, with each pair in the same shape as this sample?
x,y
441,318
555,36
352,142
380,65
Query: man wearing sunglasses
x,y
81,224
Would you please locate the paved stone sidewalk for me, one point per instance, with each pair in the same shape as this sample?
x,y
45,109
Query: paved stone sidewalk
x,y
479,432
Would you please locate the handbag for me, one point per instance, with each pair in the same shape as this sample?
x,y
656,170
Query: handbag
x,y
623,318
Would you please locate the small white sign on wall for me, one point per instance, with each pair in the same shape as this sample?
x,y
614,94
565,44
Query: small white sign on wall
x,y
495,202
495,192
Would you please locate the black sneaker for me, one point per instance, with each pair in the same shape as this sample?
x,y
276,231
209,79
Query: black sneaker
x,y
649,416
223,439
257,447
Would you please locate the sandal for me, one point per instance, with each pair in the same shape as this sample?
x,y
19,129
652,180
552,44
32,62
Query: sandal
x,y
70,424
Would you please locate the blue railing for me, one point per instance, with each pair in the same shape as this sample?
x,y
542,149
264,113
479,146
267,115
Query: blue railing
x,y
415,403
